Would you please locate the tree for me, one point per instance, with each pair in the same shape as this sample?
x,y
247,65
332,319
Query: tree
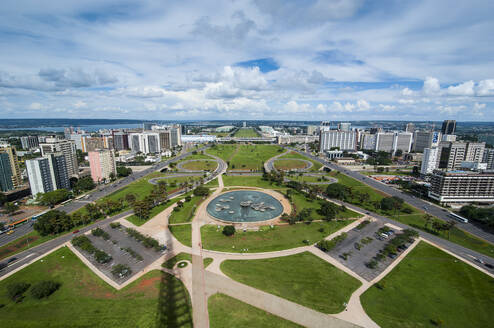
x,y
16,290
229,230
329,210
54,197
112,177
130,198
53,222
123,171
338,191
428,220
84,184
201,191
10,207
142,209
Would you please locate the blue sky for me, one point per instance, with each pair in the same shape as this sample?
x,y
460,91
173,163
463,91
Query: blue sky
x,y
277,59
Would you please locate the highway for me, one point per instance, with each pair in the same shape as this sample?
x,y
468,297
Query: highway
x,y
24,257
100,192
421,204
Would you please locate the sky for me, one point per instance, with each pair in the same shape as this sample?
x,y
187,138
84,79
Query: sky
x,y
262,59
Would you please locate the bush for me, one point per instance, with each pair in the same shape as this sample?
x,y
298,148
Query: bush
x,y
201,191
44,289
102,257
98,232
16,290
53,222
147,242
52,198
120,271
115,225
229,230
327,245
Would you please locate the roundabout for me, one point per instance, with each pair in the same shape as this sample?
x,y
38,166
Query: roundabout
x,y
292,164
245,206
197,165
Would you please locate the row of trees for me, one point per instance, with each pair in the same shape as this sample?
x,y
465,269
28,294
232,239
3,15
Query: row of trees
x,y
483,215
42,289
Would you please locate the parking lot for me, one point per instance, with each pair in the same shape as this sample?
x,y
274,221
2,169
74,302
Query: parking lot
x,y
355,258
114,246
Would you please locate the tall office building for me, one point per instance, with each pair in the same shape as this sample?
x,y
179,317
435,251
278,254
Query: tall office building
x,y
102,164
67,148
402,141
410,127
14,172
452,154
344,126
47,173
176,135
311,130
429,161
475,152
450,187
325,126
165,140
488,158
449,127
79,141
425,139
146,142
368,141
385,141
120,140
5,173
344,140
244,124
29,142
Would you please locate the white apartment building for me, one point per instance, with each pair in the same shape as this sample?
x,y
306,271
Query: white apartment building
x,y
430,161
67,148
344,140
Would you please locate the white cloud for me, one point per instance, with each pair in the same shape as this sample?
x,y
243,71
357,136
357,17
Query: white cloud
x,y
387,108
80,104
431,86
486,88
363,105
407,92
463,89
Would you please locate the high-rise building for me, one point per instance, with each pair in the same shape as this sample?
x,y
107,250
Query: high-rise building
x,y
429,161
244,124
325,126
488,158
29,142
452,154
410,127
148,126
344,126
14,172
311,130
165,140
402,141
120,141
5,173
337,139
176,136
79,140
102,164
449,127
425,139
368,141
146,142
47,173
67,148
457,186
385,141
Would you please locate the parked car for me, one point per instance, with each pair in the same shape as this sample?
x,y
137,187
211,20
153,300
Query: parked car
x,y
75,231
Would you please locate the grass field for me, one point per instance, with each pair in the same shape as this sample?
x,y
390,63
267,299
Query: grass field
x,y
213,183
315,165
248,181
183,233
307,178
225,152
289,164
185,213
84,300
301,278
453,292
246,133
415,219
202,165
227,312
299,201
184,257
252,157
268,239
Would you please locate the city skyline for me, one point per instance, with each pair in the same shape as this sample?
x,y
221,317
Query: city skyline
x,y
332,60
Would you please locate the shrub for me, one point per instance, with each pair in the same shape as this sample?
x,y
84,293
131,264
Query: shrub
x,y
16,290
44,289
102,257
229,230
115,225
147,242
327,245
120,271
98,232
201,191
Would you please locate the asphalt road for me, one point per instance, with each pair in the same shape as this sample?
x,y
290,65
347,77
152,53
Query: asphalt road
x,y
29,254
100,192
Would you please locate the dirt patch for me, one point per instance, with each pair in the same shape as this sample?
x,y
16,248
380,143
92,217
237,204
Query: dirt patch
x,y
147,286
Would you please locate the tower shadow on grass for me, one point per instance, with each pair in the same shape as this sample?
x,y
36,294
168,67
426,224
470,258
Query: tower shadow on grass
x,y
174,305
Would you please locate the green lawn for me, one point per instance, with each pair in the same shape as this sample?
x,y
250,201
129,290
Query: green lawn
x,y
289,164
225,152
301,278
307,178
453,292
202,165
246,133
252,157
414,219
248,181
213,183
268,239
299,201
316,165
186,213
183,233
84,300
227,312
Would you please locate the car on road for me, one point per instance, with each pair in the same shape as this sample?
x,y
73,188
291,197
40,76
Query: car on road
x,y
476,259
75,231
488,265
10,232
11,259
